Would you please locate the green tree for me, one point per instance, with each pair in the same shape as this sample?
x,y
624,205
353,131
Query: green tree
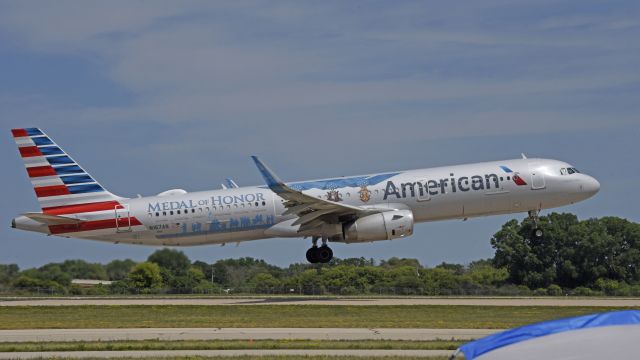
x,y
8,273
188,281
484,273
361,261
80,269
236,273
395,262
145,275
554,290
174,261
119,269
51,273
572,253
265,283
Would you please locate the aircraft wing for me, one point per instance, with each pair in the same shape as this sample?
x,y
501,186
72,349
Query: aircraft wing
x,y
312,211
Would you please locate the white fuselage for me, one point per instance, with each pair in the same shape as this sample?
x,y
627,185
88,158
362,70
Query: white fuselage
x,y
255,212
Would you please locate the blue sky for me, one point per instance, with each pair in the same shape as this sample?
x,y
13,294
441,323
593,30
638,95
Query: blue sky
x,y
154,95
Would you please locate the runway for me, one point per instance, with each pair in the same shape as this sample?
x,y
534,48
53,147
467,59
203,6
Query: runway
x,y
181,353
171,334
484,301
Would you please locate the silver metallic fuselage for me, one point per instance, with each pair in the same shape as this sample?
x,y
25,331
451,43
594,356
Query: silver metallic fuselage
x,y
250,213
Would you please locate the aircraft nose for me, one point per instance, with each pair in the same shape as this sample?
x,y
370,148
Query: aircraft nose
x,y
589,185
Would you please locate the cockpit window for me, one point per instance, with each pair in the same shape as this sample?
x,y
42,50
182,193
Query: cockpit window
x,y
569,171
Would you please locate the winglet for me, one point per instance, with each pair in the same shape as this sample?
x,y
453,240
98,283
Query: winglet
x,y
273,181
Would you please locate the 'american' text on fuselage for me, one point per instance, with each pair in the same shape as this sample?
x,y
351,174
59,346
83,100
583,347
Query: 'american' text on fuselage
x,y
435,187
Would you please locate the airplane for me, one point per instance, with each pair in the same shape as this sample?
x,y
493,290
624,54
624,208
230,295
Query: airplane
x,y
352,209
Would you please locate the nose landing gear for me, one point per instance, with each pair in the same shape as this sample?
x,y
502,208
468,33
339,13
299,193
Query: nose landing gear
x,y
537,232
322,254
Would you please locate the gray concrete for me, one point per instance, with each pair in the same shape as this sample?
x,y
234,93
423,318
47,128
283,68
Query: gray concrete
x,y
559,301
169,353
41,335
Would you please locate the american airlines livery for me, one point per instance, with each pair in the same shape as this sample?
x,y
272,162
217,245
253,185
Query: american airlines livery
x,y
351,209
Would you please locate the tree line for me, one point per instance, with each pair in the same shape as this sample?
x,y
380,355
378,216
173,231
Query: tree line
x,y
589,257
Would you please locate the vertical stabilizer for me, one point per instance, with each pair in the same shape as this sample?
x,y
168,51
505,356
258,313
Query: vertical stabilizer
x,y
61,184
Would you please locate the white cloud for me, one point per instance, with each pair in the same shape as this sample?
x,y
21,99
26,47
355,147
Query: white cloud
x,y
293,64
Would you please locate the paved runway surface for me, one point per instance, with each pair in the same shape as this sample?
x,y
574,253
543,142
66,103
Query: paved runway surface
x,y
41,335
608,302
169,353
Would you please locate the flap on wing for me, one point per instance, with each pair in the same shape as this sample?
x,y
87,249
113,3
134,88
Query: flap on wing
x,y
52,219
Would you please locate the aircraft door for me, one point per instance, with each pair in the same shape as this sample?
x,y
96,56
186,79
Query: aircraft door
x,y
422,191
537,177
123,218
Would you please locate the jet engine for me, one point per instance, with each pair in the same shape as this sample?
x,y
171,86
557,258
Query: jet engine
x,y
386,225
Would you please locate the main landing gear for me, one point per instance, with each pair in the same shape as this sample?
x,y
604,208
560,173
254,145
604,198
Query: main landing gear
x,y
537,232
322,254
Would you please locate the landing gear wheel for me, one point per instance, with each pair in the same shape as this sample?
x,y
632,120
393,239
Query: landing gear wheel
x,y
312,255
537,233
324,254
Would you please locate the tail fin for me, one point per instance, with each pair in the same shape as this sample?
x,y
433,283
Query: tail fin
x,y
61,185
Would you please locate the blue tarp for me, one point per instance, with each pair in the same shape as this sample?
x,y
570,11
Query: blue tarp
x,y
486,344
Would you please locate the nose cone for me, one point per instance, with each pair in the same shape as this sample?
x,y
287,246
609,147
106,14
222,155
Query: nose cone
x,y
589,186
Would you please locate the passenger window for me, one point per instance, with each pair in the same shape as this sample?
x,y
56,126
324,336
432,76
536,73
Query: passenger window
x,y
264,203
164,213
171,212
178,212
193,210
256,203
157,214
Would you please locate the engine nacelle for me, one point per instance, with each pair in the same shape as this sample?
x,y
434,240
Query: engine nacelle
x,y
383,226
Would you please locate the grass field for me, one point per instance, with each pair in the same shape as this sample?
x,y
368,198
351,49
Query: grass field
x,y
228,345
301,316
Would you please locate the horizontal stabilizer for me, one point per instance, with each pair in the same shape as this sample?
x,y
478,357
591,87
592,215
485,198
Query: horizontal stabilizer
x,y
52,219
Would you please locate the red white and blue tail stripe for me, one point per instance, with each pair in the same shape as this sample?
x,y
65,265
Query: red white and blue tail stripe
x,y
61,185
